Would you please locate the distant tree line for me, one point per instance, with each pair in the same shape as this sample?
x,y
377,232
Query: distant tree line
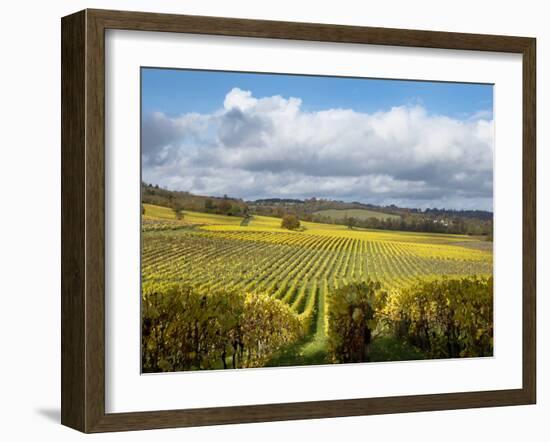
x,y
449,213
179,201
465,222
462,226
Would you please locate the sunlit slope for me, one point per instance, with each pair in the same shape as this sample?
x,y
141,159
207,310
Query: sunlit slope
x,y
215,251
223,223
190,218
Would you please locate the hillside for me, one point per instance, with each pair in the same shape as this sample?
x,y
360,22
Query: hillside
x,y
341,215
327,211
303,270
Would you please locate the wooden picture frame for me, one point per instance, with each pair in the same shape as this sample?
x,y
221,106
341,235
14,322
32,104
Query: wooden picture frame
x,y
83,220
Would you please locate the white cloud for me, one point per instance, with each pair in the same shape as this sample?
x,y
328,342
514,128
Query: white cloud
x,y
270,147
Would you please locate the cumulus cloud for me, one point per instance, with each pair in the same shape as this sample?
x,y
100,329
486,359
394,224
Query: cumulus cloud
x,y
270,147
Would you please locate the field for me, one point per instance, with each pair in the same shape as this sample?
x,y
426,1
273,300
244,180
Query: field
x,y
360,214
300,268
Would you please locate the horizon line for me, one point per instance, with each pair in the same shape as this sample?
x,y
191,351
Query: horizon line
x,y
317,198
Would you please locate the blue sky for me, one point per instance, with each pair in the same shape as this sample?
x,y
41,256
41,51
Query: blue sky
x,y
177,91
409,143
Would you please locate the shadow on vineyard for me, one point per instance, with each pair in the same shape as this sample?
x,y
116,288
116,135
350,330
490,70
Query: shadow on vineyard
x,y
186,329
443,318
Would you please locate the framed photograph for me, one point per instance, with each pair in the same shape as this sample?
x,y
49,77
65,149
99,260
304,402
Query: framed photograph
x,y
267,220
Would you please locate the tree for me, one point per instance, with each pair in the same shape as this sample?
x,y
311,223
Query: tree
x,y
225,207
209,205
177,208
351,222
290,222
235,210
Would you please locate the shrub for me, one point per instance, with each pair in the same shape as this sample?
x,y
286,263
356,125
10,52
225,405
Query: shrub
x,y
353,314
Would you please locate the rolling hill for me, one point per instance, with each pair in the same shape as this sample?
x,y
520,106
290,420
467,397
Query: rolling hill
x,y
360,214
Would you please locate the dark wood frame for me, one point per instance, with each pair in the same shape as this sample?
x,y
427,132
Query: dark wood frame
x,y
83,216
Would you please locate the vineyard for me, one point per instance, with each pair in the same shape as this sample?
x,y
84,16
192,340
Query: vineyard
x,y
214,253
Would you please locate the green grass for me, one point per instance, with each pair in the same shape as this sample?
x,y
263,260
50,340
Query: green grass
x,y
387,348
361,214
312,349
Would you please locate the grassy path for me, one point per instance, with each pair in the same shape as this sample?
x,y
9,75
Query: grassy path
x,y
311,350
